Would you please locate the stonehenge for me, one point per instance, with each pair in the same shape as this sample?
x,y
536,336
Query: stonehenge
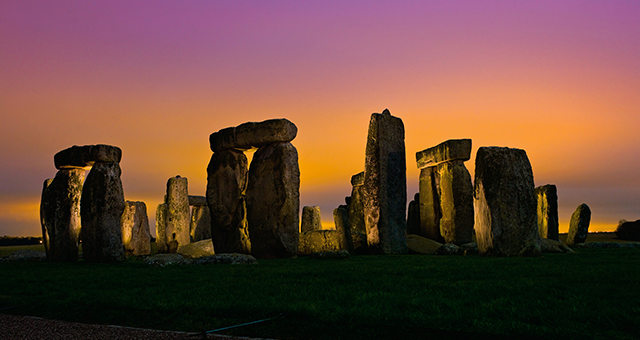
x,y
135,229
311,219
579,225
357,227
547,196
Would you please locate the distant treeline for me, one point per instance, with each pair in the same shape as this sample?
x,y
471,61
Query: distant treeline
x,y
19,241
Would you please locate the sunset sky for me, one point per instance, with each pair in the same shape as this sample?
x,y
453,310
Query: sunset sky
x,y
559,79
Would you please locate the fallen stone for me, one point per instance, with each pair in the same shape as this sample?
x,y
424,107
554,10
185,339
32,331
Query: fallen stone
x,y
200,228
448,249
385,185
27,255
505,203
163,260
628,230
422,245
341,220
136,237
609,245
456,202
85,156
358,229
197,249
253,135
319,241
331,255
197,200
470,248
553,246
451,150
178,216
231,258
226,182
311,219
161,225
273,201
547,196
101,209
579,225
413,216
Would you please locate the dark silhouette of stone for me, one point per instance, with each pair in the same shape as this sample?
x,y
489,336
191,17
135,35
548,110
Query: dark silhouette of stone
x,y
448,249
226,182
252,134
161,226
43,218
136,237
341,220
197,200
421,245
385,185
430,211
579,225
85,156
102,206
319,241
61,215
200,228
456,203
273,201
627,230
451,150
505,203
198,249
547,196
358,230
178,216
311,219
413,216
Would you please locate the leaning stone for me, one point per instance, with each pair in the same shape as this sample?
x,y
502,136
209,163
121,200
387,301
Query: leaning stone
x,y
451,150
178,215
385,185
579,225
161,225
44,201
430,212
319,241
413,216
200,228
136,237
273,201
456,203
311,219
358,230
27,255
547,196
331,255
252,134
61,215
554,246
197,249
230,258
101,209
341,220
422,245
197,200
84,156
163,260
448,249
505,203
628,230
226,182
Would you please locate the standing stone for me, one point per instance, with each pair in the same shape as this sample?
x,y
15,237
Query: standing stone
x,y
311,219
579,225
385,185
413,215
547,196
430,212
178,217
456,203
61,214
226,182
505,203
46,225
161,226
136,237
102,206
200,228
273,201
356,215
341,220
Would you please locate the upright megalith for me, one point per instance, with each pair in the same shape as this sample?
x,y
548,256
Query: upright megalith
x,y
413,215
446,192
385,185
200,228
273,201
136,237
358,229
44,200
579,225
341,220
226,184
547,196
505,203
311,219
161,226
178,216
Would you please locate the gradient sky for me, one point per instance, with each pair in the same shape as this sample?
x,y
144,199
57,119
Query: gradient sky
x,y
560,79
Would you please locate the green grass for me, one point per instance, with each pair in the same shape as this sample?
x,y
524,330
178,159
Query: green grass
x,y
592,294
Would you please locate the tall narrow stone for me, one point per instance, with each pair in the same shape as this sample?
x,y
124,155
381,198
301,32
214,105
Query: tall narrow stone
x,y
61,214
178,213
200,223
456,203
44,223
161,226
273,201
341,220
136,237
579,225
413,215
311,219
385,185
505,203
430,213
547,196
226,183
356,215
102,206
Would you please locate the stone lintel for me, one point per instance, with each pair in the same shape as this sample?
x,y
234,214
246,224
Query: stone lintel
x,y
85,156
253,135
453,149
197,200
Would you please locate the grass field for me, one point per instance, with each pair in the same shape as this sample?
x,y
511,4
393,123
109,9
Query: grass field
x,y
591,294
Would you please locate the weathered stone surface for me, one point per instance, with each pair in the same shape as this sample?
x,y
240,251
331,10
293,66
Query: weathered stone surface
x,y
451,150
311,219
178,216
84,156
358,230
101,209
547,196
553,246
470,248
231,258
628,230
413,216
456,202
430,212
200,228
197,249
43,218
385,185
273,201
163,260
161,226
609,245
226,182
357,179
422,245
319,241
579,225
505,203
61,215
252,134
27,255
136,237
448,249
341,220
197,200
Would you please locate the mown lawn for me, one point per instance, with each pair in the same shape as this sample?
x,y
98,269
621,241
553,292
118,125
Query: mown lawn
x,y
591,294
